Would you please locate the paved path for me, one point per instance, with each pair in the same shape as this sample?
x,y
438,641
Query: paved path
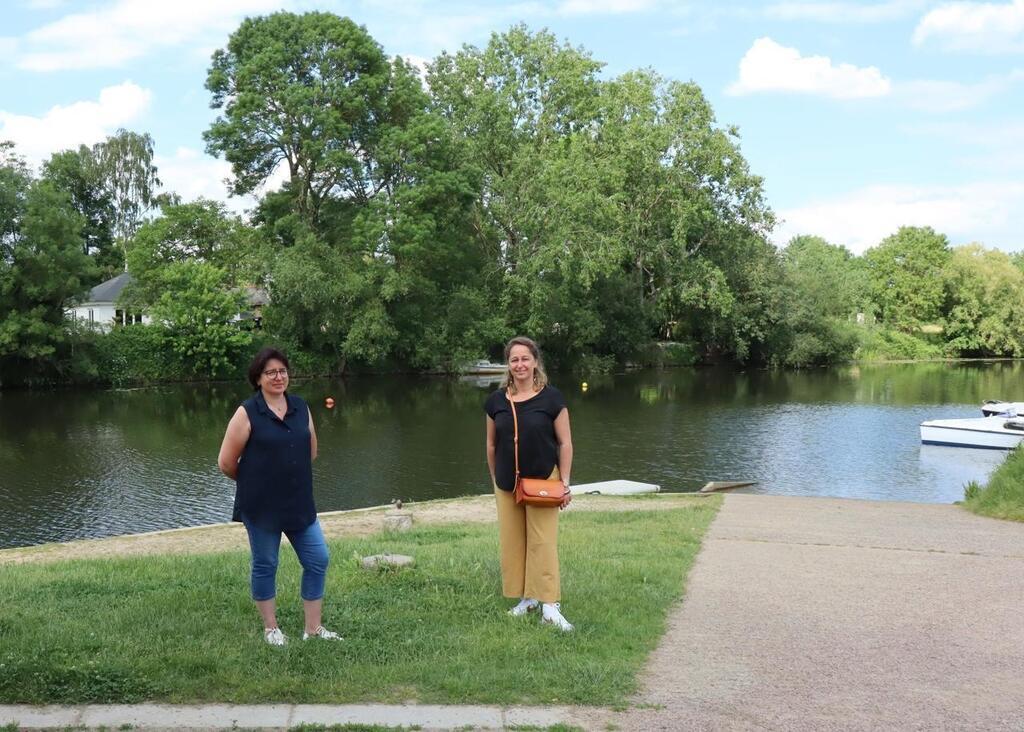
x,y
822,614
799,614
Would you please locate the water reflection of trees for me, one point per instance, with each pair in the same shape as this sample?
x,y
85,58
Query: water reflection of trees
x,y
64,454
965,382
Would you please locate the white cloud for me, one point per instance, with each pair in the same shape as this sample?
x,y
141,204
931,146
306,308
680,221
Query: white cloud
x,y
128,29
842,12
418,63
953,96
981,27
604,7
987,147
985,211
1005,162
79,123
430,32
193,174
986,134
770,67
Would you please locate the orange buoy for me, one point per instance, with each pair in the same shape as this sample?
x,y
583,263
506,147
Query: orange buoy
x,y
329,403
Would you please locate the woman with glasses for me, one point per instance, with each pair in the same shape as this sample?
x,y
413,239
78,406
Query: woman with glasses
x,y
268,450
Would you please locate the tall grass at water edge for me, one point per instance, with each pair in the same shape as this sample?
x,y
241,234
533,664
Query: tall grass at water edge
x,y
1003,495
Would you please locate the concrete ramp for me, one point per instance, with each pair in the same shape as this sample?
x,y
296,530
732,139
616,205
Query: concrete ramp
x,y
825,614
615,488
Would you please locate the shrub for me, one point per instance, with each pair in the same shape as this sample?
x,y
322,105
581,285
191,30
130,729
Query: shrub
x,y
883,344
138,354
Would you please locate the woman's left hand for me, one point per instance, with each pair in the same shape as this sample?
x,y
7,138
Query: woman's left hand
x,y
565,500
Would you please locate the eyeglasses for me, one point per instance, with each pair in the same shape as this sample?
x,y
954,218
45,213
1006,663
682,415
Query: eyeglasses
x,y
272,373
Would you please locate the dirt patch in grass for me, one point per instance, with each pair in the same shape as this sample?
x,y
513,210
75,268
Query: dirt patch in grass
x,y
355,523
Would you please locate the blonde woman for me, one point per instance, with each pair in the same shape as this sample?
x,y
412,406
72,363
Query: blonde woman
x,y
529,534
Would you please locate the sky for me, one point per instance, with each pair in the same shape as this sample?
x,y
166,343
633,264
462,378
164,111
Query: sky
x,y
860,116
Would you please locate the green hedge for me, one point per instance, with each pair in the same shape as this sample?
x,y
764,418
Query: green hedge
x,y
883,344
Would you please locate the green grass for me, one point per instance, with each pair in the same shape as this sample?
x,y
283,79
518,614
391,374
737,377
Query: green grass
x,y
182,628
1003,496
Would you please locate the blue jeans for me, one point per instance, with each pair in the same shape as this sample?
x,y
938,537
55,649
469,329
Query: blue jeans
x,y
310,548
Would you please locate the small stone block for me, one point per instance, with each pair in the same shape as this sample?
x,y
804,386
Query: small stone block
x,y
398,522
379,561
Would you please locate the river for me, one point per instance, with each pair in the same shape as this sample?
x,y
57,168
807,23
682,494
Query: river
x,y
77,464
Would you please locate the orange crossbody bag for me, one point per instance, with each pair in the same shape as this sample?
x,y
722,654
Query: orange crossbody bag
x,y
534,491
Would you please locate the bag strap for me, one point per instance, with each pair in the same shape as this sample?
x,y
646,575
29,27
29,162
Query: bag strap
x,y
515,431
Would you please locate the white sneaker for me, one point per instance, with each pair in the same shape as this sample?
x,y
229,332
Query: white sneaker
x,y
525,606
552,616
274,636
321,632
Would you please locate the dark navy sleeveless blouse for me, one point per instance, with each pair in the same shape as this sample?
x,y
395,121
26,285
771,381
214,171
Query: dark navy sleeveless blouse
x,y
275,473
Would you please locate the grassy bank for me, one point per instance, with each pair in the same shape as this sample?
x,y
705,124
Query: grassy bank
x,y
182,628
1003,495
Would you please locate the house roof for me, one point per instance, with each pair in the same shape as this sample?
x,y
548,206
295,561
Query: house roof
x,y
256,295
108,291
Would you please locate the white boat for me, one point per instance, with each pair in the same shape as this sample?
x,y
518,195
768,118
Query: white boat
x,y
615,488
483,366
992,407
991,433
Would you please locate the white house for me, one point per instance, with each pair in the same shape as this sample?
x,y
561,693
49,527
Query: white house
x,y
101,308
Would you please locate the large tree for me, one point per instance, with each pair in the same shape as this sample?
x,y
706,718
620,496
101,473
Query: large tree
x,y
984,303
79,174
201,230
615,210
15,179
129,178
372,225
905,272
42,271
307,91
189,267
198,306
113,186
825,286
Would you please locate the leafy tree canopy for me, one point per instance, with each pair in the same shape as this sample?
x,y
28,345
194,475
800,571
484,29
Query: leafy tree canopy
x,y
306,91
905,274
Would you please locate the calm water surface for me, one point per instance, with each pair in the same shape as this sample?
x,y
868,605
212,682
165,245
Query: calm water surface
x,y
76,464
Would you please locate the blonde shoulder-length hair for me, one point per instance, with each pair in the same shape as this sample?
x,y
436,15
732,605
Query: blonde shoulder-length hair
x,y
540,377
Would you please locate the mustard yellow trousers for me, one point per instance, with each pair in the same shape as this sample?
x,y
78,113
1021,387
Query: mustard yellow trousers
x,y
528,536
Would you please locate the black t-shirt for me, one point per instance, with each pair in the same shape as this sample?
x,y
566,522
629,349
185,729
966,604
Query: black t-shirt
x,y
538,446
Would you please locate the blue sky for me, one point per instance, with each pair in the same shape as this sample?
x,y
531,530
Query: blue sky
x,y
860,116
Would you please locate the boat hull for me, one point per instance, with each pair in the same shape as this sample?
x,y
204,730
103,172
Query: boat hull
x,y
987,433
484,367
992,408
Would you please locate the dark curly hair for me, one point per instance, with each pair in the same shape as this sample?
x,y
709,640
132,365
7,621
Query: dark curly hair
x,y
259,362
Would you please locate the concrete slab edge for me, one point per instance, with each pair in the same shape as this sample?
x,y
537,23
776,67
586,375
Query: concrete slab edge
x,y
279,716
